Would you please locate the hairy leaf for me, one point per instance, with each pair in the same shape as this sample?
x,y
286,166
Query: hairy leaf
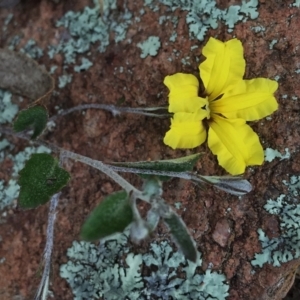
x,y
40,179
232,185
182,236
35,117
112,215
181,164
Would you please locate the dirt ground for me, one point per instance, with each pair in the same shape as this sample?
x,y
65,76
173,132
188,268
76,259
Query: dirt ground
x,y
100,135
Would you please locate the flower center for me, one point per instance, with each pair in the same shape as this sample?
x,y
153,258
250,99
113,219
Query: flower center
x,y
206,107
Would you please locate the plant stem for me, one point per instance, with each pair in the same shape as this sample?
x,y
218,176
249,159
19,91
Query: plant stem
x,y
42,291
147,111
233,185
102,167
86,160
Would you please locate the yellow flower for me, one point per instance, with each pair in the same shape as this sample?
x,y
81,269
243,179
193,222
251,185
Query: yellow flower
x,y
227,103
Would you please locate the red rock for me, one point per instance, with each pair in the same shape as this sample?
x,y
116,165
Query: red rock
x,y
224,227
222,232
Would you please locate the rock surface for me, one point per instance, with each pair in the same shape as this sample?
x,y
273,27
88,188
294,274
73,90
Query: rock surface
x,y
224,227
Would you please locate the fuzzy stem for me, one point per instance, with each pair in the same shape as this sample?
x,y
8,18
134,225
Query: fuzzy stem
x,y
42,291
86,160
129,188
233,185
114,110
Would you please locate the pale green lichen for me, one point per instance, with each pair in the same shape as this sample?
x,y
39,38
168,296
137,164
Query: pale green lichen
x,y
15,41
294,185
52,69
203,15
85,65
3,144
177,205
232,16
89,27
110,271
286,247
93,272
296,3
173,37
32,50
258,28
271,154
8,110
273,42
86,28
150,46
277,77
7,21
165,283
185,61
63,80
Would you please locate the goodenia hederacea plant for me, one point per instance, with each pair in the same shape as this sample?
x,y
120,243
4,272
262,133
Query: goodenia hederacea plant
x,y
43,176
226,104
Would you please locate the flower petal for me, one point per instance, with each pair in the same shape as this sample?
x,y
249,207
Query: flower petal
x,y
250,100
224,65
183,95
235,144
187,131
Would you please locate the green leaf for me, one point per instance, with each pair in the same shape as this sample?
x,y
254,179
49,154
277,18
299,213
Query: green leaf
x,y
182,236
112,215
181,164
35,117
40,179
232,185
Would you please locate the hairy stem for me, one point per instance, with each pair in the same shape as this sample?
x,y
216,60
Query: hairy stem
x,y
233,185
42,291
103,168
114,110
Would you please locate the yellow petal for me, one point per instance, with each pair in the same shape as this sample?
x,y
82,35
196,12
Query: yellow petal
x,y
224,65
235,144
187,131
183,95
250,100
